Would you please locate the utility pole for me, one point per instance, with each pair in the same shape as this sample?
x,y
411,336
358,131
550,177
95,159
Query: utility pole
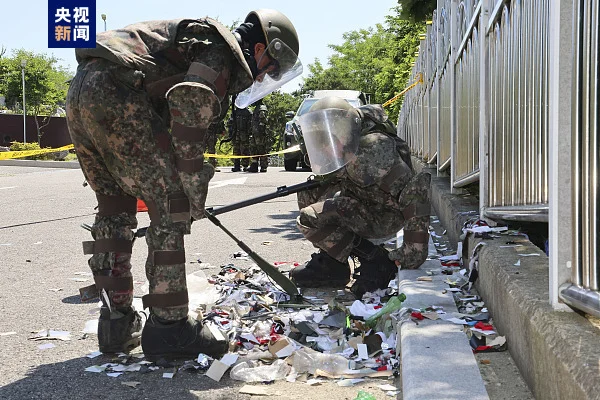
x,y
103,16
23,64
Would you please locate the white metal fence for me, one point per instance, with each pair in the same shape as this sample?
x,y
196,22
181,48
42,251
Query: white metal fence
x,y
482,114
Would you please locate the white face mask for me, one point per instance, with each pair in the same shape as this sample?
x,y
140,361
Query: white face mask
x,y
287,67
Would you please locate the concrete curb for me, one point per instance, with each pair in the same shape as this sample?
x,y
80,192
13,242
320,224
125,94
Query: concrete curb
x,y
436,359
557,353
40,164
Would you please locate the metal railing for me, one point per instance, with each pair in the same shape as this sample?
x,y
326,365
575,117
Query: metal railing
x,y
482,115
513,45
583,292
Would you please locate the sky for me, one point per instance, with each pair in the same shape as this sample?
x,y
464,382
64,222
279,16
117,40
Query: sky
x,y
318,23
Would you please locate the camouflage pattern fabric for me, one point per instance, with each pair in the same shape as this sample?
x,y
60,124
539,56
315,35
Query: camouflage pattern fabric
x,y
116,112
241,143
215,130
261,142
366,198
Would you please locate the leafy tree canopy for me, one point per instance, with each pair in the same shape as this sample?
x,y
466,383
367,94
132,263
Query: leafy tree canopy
x,y
377,61
417,10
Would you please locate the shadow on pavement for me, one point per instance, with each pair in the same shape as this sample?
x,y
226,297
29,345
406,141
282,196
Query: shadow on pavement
x,y
286,228
69,380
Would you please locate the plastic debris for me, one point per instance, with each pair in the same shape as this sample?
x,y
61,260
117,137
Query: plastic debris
x,y
251,371
362,395
131,384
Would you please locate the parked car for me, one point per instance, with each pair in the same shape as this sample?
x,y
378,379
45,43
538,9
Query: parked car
x,y
290,136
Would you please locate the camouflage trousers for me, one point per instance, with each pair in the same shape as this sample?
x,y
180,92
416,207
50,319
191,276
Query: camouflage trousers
x,y
114,129
261,144
241,147
331,221
211,147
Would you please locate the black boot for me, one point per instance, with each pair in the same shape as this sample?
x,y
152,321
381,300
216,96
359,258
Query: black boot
x,y
252,168
119,331
180,339
376,269
236,165
321,270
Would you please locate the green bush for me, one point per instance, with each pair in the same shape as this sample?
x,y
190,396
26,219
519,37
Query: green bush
x,y
19,146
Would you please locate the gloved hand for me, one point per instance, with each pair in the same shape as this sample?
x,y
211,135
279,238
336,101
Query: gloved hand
x,y
196,188
409,255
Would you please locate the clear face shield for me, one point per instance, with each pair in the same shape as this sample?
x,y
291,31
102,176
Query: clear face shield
x,y
331,137
284,66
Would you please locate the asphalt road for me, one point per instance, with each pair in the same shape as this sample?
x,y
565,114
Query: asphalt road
x,y
41,210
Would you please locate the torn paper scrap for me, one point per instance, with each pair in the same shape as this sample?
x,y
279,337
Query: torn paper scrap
x,y
131,384
254,390
51,335
46,346
349,382
94,354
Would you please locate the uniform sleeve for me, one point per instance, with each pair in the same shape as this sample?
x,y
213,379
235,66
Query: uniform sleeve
x,y
416,207
194,104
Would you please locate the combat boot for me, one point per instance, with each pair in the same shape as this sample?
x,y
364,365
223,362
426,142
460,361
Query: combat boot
x,y
236,165
263,169
321,270
376,269
183,338
119,331
252,168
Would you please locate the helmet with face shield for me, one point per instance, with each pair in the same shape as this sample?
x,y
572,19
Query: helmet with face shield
x,y
281,48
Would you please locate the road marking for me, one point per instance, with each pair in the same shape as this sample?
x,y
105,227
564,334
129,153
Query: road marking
x,y
8,187
218,184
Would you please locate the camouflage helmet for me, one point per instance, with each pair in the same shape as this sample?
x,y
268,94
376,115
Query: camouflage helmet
x,y
275,25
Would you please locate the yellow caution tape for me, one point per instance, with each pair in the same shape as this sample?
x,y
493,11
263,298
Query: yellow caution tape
x,y
289,150
7,155
396,97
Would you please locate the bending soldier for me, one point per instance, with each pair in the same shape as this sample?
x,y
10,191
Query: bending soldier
x,y
135,85
261,143
372,194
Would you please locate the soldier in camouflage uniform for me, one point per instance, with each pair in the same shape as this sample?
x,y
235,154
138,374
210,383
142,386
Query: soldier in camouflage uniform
x,y
215,130
261,142
373,196
241,141
138,111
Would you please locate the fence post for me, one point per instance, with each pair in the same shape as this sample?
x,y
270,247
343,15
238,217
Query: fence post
x,y
560,221
454,45
483,105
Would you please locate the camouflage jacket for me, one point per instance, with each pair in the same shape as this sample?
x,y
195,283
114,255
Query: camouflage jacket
x,y
379,171
165,50
243,120
259,120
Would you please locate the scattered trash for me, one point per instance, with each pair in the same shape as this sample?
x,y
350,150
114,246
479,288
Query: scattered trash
x,y
94,354
91,326
131,384
362,395
48,334
46,346
254,390
8,333
349,382
55,290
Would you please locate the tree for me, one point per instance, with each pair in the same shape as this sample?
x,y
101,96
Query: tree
x,y
278,104
46,85
417,10
376,60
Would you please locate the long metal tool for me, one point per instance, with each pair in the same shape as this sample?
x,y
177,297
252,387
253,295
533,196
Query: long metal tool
x,y
282,280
